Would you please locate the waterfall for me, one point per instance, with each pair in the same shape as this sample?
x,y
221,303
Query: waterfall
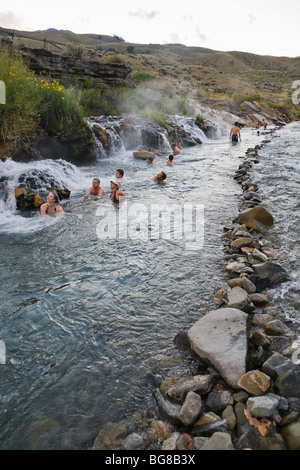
x,y
39,177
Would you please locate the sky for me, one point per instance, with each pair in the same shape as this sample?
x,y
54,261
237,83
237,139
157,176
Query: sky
x,y
269,27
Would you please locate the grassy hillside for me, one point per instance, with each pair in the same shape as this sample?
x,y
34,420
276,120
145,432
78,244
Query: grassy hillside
x,y
192,72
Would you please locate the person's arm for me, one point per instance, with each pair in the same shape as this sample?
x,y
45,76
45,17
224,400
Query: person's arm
x,y
43,209
119,194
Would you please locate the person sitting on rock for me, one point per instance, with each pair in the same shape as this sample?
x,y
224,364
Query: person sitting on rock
x,y
160,177
95,190
51,207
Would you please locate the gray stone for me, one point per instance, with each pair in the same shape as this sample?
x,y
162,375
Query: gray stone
x,y
221,339
217,401
288,384
132,441
198,442
263,406
171,442
190,409
168,409
219,441
277,365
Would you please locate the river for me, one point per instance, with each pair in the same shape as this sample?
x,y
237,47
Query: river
x,y
88,315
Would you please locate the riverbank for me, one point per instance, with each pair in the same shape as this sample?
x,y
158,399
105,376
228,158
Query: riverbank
x,y
245,399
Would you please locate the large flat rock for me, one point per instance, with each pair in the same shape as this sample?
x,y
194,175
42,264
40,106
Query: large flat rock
x,y
221,338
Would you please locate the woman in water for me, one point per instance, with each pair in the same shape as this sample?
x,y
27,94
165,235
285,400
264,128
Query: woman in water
x,y
51,207
115,192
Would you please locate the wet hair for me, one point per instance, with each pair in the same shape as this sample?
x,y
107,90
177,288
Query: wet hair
x,y
150,159
236,124
163,175
171,157
56,198
96,179
120,171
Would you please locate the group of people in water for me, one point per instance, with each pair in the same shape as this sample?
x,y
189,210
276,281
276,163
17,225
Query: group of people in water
x,y
52,206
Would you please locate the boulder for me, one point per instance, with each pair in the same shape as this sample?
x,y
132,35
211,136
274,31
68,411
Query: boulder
x,y
272,272
143,154
220,338
257,218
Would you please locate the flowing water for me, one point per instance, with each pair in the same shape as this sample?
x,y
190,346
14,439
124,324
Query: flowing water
x,y
88,315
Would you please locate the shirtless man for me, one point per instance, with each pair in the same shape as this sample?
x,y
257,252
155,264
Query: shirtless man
x,y
95,190
235,133
175,149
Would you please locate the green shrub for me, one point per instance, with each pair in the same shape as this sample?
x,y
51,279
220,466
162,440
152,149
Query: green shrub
x,y
140,77
20,115
34,102
241,97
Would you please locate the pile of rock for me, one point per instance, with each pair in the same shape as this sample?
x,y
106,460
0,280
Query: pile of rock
x,y
248,396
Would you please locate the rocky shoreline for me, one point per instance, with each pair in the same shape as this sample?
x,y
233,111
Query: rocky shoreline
x,y
247,395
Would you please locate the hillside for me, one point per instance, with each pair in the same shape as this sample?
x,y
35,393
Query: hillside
x,y
195,73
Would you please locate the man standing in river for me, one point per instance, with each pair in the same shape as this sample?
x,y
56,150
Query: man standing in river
x,y
235,133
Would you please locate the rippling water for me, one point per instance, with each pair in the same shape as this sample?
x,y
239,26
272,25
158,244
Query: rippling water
x,y
88,321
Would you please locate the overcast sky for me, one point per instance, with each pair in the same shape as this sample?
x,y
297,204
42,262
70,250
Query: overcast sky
x,y
269,27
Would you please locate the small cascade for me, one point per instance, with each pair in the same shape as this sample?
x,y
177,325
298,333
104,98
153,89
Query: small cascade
x,y
37,177
188,131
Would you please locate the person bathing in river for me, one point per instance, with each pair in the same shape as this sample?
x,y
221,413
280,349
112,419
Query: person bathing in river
x,y
170,161
51,207
175,149
160,177
95,190
119,173
150,161
235,133
115,192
